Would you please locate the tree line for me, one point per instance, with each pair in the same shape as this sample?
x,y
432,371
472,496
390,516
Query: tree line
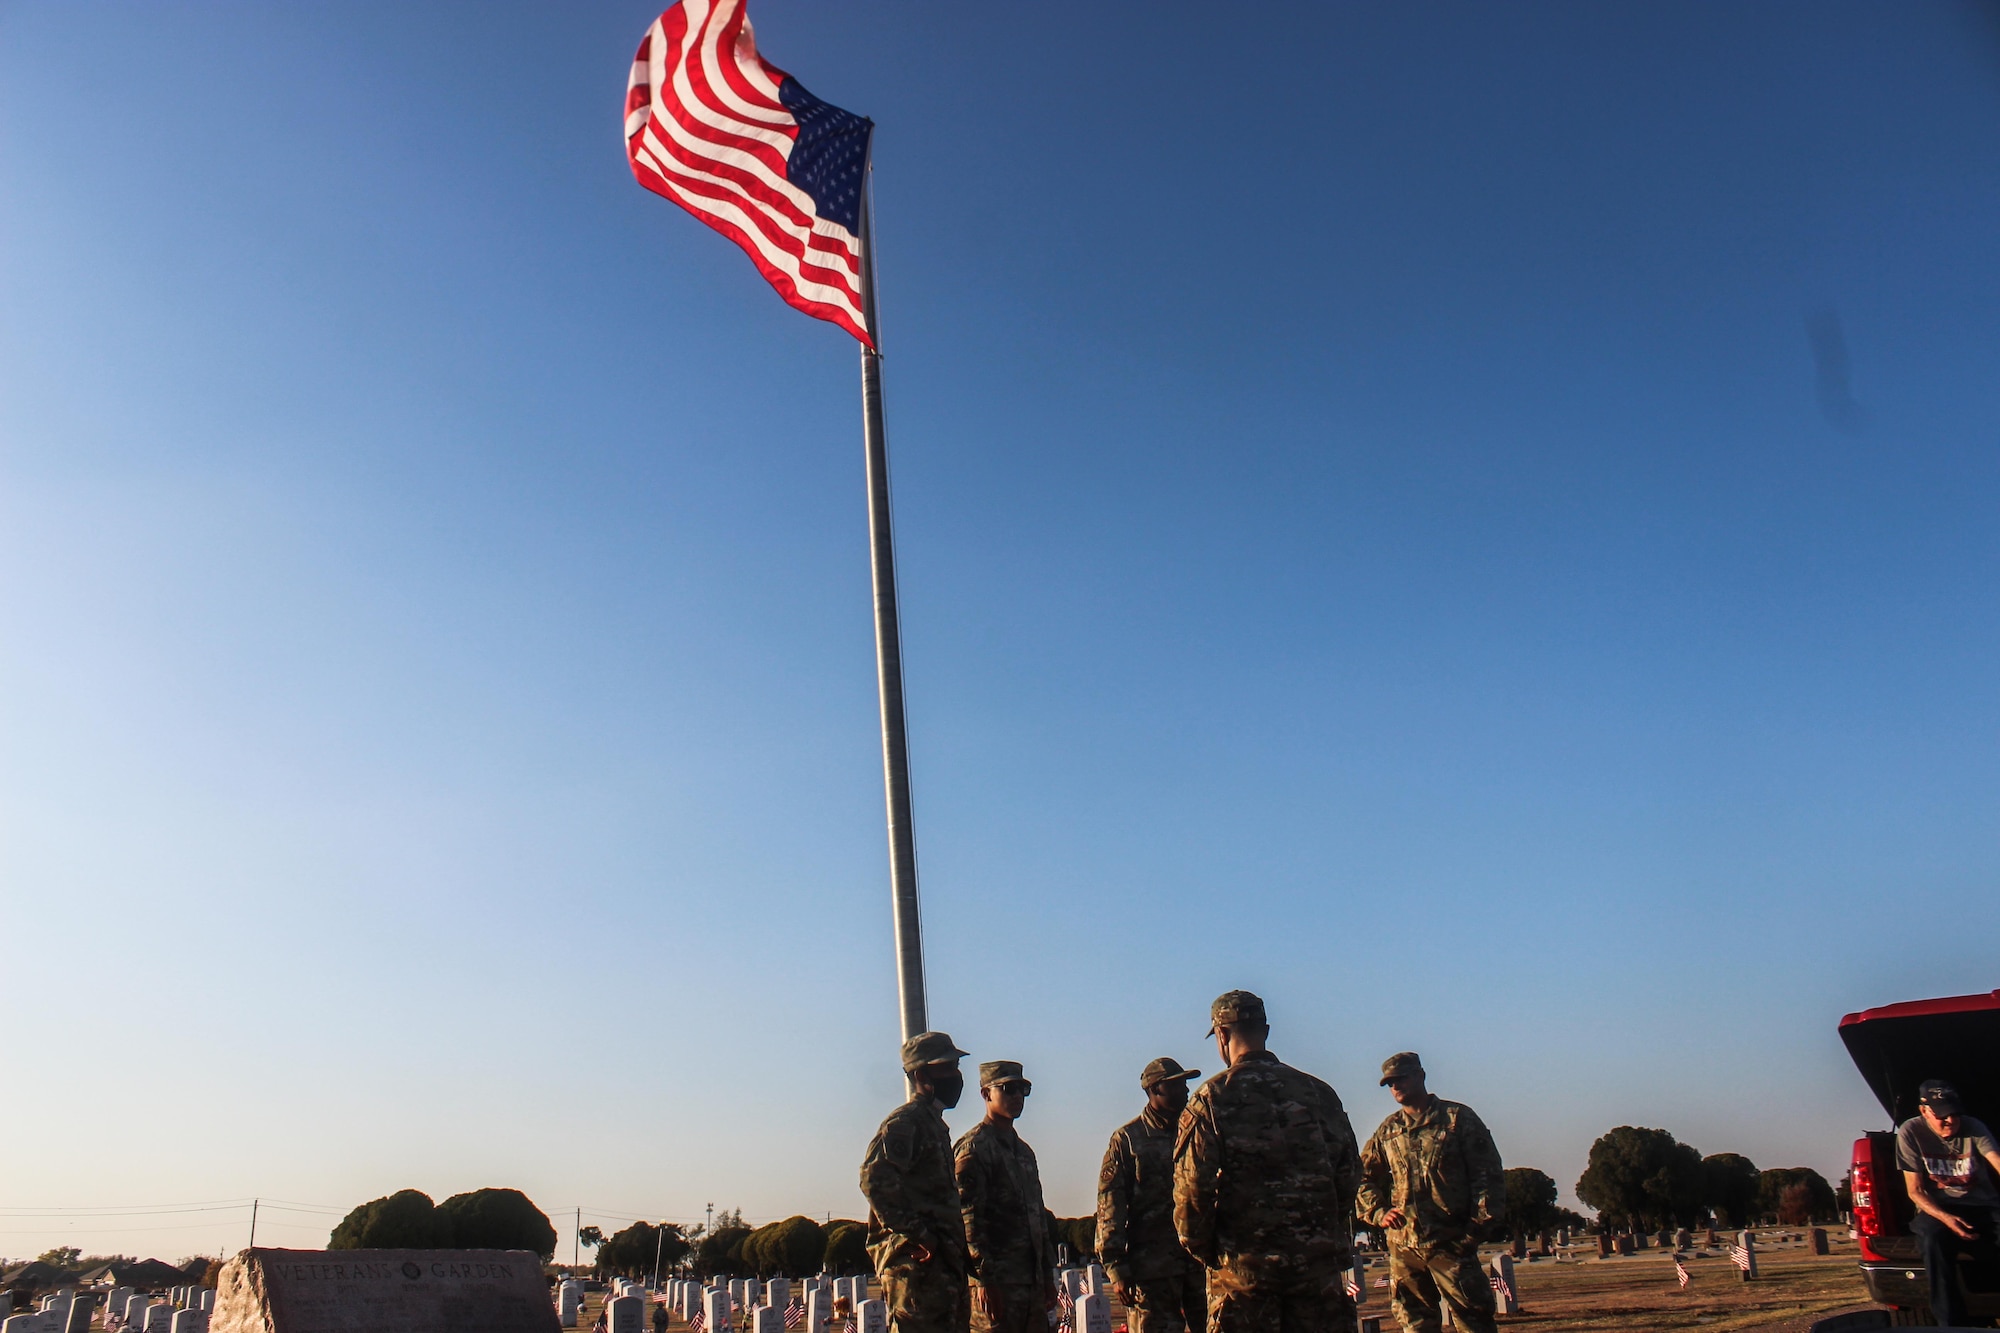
x,y
488,1219
1636,1178
1645,1179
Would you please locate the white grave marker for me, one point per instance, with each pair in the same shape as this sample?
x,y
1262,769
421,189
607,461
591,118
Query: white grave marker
x,y
715,1309
767,1319
1093,1313
190,1321
871,1317
777,1295
625,1314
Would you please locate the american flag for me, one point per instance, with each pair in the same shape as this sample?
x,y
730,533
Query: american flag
x,y
1741,1256
698,1321
1500,1287
737,142
1681,1272
1065,1310
795,1314
1381,1281
1352,1284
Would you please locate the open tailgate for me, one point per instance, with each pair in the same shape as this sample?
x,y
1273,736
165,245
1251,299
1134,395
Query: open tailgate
x,y
1956,1039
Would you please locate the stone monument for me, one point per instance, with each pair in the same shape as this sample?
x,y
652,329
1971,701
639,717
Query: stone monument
x,y
383,1291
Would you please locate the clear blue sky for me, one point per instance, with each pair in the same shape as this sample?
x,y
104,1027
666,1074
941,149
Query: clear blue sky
x,y
1376,531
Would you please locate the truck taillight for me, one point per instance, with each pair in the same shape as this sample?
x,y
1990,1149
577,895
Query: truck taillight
x,y
1861,1184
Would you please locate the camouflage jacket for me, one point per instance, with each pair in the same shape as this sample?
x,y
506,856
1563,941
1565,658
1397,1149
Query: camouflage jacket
x,y
1135,1202
1440,1168
1000,1193
1265,1169
912,1198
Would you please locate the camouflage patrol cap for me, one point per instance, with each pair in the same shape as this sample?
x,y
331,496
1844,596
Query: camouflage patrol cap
x,y
929,1048
1164,1070
1233,1007
1401,1065
1001,1071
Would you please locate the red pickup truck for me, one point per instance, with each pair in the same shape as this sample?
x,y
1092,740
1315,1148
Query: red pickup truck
x,y
1896,1048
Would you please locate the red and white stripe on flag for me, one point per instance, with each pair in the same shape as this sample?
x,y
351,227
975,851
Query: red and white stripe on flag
x,y
740,144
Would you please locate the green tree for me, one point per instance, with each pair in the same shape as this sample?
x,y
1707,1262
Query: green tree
x,y
720,1252
1642,1177
633,1251
1531,1201
1729,1185
590,1237
1795,1196
498,1219
62,1256
405,1220
1079,1233
791,1248
847,1248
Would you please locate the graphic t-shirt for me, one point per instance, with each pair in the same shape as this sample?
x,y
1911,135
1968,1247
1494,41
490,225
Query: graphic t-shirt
x,y
1955,1166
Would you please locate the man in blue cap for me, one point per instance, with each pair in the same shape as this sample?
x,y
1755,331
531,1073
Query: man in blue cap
x,y
1948,1161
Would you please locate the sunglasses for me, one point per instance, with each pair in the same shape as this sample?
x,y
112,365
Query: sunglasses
x,y
1018,1087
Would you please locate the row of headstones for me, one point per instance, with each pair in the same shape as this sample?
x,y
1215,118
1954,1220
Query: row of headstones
x,y
63,1312
1077,1283
1090,1306
764,1302
185,1311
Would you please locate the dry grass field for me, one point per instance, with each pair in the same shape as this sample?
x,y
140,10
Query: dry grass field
x,y
1638,1294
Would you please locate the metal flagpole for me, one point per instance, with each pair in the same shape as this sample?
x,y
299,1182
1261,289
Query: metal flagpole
x,y
889,653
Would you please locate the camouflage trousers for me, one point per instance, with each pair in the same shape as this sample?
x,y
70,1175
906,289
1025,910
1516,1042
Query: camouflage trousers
x,y
927,1298
1258,1298
1424,1277
1011,1307
1175,1304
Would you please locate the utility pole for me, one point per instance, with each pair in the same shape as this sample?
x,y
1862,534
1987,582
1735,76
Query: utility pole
x,y
253,1222
576,1244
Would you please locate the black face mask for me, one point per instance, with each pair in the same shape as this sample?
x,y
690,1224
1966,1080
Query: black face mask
x,y
948,1088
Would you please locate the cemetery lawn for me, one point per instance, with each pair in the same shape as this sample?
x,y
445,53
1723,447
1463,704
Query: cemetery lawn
x,y
1638,1292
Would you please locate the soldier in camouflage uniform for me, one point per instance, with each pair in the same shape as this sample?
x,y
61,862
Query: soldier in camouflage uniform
x,y
1264,1179
1006,1225
915,1233
1161,1288
1431,1183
